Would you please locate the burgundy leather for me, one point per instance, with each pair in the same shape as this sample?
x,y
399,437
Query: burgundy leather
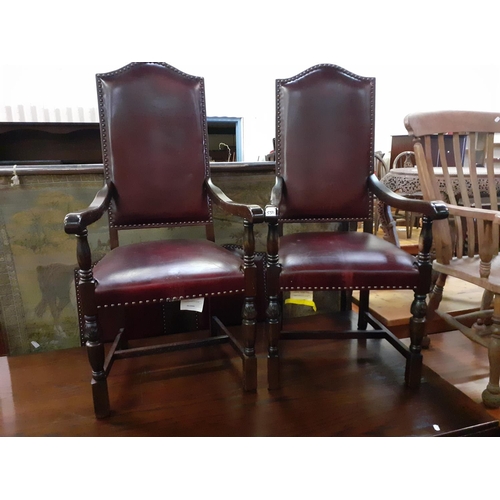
x,y
324,143
154,131
167,270
344,260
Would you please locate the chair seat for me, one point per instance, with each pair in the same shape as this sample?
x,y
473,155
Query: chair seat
x,y
344,260
166,271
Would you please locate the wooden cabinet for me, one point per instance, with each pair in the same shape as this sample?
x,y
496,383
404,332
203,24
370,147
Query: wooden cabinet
x,y
69,143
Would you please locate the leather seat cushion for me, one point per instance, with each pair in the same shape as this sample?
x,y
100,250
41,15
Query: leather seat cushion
x,y
344,260
167,270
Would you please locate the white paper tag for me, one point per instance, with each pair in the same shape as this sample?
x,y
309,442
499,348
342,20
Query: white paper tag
x,y
302,295
35,344
271,211
193,304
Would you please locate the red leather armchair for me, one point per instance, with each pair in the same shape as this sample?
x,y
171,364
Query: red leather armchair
x,y
157,174
325,120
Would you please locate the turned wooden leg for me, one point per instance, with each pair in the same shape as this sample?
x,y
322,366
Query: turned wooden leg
x,y
409,224
122,315
249,312
249,332
436,295
273,327
483,325
96,355
364,300
413,372
273,311
424,262
346,300
100,397
95,347
491,395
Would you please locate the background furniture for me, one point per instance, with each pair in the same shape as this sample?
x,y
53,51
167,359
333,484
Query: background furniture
x,y
466,245
403,143
406,159
154,143
406,181
400,144
49,143
70,143
324,174
402,156
380,167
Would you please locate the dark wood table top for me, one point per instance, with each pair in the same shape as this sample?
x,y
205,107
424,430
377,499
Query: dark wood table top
x,y
330,388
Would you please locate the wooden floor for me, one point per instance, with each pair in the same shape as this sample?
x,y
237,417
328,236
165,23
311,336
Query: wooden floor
x,y
330,388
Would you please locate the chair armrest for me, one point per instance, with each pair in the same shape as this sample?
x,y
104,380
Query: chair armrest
x,y
272,209
477,213
252,213
77,222
431,209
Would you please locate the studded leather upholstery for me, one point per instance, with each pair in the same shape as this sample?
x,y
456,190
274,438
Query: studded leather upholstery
x,y
324,144
344,260
167,270
325,135
325,121
153,130
154,144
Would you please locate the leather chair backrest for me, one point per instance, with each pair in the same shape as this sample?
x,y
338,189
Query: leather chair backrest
x,y
154,145
324,144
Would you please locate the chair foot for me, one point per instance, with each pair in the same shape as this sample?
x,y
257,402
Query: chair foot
x,y
491,396
413,373
426,342
101,398
273,372
250,374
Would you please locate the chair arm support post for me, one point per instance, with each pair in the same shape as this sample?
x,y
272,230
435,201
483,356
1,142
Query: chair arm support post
x,y
252,213
77,222
273,244
419,304
424,258
249,258
273,310
249,313
433,209
86,287
273,270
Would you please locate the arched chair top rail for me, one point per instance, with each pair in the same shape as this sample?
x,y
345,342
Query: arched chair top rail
x,y
323,67
439,122
133,65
